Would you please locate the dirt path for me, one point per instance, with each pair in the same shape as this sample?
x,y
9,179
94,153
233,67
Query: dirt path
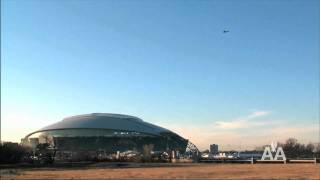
x,y
196,171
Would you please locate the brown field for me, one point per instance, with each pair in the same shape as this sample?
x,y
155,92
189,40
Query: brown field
x,y
184,171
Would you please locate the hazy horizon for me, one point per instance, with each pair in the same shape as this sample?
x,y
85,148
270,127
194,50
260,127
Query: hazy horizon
x,y
169,63
201,135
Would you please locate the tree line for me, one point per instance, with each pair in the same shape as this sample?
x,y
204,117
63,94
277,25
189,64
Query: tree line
x,y
11,153
293,149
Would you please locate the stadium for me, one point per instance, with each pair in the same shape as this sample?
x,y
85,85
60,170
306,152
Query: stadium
x,y
105,135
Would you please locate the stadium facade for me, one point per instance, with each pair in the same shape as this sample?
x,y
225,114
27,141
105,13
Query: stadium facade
x,y
103,133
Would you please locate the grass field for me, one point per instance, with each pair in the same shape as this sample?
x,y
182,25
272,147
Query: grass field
x,y
181,171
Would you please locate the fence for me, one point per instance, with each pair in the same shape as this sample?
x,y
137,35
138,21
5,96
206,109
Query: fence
x,y
255,161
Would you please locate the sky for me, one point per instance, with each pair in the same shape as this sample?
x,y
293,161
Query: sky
x,y
167,62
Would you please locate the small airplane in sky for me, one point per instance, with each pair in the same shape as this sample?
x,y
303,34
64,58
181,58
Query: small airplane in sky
x,y
225,31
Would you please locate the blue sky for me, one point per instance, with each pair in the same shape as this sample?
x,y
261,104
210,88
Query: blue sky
x,y
167,62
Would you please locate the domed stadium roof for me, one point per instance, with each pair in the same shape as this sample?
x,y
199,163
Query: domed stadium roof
x,y
106,121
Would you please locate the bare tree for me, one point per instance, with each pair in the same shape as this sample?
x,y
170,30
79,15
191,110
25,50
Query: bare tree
x,y
147,152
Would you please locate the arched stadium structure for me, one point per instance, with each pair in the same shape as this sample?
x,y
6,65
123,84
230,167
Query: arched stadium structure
x,y
102,134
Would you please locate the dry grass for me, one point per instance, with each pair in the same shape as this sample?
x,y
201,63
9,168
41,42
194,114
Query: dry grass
x,y
194,171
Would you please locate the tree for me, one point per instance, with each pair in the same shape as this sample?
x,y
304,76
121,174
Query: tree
x,y
309,150
291,148
146,156
45,153
12,152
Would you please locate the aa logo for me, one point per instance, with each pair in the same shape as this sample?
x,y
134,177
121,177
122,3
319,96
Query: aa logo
x,y
273,149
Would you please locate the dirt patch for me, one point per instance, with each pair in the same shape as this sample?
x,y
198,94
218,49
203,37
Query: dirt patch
x,y
9,173
194,171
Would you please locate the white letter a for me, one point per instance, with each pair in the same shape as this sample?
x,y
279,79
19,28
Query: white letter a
x,y
280,154
267,154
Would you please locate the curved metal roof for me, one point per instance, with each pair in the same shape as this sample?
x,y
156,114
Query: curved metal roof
x,y
106,121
